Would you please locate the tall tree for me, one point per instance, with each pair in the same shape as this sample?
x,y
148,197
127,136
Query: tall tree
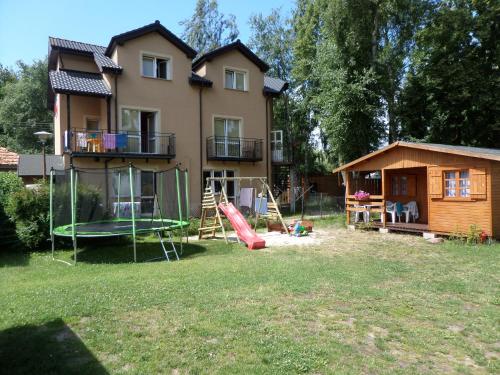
x,y
348,100
23,106
271,39
208,28
452,93
393,39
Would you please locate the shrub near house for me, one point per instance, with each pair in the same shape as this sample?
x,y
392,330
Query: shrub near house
x,y
29,210
9,183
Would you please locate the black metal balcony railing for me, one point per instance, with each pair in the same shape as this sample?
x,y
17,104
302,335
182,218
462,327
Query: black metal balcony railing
x,y
124,142
238,149
280,154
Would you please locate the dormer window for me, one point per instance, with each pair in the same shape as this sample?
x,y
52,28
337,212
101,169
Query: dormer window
x,y
156,67
235,79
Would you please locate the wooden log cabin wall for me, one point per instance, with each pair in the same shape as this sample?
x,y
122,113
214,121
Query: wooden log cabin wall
x,y
455,187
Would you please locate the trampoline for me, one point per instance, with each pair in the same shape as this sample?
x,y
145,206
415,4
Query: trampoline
x,y
118,227
111,202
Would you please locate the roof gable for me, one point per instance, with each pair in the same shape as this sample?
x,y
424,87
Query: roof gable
x,y
237,45
104,63
120,39
473,152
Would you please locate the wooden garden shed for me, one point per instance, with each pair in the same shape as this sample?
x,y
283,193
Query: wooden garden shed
x,y
453,187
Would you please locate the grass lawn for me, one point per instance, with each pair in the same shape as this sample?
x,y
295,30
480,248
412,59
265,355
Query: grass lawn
x,y
359,303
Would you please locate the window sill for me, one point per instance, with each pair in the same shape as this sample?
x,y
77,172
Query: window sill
x,y
157,79
237,90
457,199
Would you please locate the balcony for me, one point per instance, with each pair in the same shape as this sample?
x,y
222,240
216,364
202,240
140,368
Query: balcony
x,y
280,155
234,149
95,143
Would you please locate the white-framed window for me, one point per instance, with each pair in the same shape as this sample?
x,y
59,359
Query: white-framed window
x,y
456,184
227,132
156,66
235,79
229,186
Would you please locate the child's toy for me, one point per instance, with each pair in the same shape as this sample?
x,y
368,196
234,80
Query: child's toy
x,y
297,229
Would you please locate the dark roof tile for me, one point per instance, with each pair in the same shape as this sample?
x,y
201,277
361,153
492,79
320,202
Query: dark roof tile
x,y
79,83
195,79
237,45
274,86
152,27
103,62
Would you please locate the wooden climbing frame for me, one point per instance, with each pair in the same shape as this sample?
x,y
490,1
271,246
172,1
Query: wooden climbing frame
x,y
210,215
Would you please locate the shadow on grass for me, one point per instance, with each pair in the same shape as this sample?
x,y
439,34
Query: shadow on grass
x,y
121,251
51,348
13,258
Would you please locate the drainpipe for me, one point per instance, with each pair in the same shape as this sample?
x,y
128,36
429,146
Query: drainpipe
x,y
116,103
201,143
267,139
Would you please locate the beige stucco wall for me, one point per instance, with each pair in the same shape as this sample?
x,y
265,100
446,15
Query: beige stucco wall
x,y
249,106
177,104
77,62
175,100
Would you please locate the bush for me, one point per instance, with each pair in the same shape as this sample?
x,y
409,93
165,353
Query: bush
x,y
9,183
29,210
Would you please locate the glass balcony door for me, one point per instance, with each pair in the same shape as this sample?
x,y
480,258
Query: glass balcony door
x,y
140,128
227,137
277,145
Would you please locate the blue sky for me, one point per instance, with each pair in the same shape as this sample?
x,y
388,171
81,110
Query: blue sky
x,y
25,25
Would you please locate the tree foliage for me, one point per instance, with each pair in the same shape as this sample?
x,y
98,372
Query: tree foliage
x,y
23,104
208,28
452,94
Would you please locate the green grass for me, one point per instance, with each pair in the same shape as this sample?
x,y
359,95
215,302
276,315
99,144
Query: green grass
x,y
360,303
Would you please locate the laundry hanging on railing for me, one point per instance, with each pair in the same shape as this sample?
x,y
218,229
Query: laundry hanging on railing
x,y
121,140
81,139
109,140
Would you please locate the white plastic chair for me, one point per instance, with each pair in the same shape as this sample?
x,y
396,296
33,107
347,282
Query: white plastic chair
x,y
363,215
407,210
391,209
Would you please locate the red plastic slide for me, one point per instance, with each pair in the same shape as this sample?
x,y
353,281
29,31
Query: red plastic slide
x,y
240,225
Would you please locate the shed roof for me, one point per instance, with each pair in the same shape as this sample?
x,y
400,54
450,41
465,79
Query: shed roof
x,y
473,152
8,159
236,45
31,164
79,83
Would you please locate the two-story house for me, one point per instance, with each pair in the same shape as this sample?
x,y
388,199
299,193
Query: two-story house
x,y
143,100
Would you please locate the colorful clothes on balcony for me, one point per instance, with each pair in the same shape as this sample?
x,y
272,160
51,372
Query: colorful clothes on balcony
x,y
109,141
121,140
81,140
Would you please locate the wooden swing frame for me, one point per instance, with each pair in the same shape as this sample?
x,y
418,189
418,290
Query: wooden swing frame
x,y
209,203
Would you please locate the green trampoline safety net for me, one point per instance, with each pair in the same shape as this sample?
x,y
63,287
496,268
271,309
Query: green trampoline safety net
x,y
111,228
118,201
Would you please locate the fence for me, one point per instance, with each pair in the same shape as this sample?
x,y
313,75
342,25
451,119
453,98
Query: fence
x,y
315,204
320,204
